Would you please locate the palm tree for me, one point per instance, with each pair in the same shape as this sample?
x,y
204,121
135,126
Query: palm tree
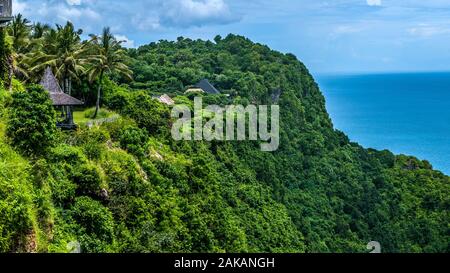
x,y
38,38
63,51
16,44
19,30
39,30
108,59
5,58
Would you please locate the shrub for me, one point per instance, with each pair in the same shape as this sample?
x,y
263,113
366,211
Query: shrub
x,y
93,150
95,220
62,189
118,101
116,97
97,135
16,200
124,176
17,86
88,179
115,127
68,154
134,140
93,141
4,98
148,113
32,120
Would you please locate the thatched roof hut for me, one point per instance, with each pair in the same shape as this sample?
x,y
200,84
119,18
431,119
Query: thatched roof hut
x,y
165,99
59,98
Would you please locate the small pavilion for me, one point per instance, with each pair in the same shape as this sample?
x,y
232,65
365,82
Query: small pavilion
x,y
60,100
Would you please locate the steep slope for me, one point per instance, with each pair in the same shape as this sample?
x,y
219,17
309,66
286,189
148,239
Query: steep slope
x,y
338,194
127,186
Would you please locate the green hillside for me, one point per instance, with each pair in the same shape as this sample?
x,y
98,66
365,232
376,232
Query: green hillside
x,y
127,186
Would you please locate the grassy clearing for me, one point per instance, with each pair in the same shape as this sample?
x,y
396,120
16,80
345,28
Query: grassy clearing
x,y
83,116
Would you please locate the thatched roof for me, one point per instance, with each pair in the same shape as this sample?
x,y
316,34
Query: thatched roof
x,y
49,82
59,98
206,86
62,99
165,99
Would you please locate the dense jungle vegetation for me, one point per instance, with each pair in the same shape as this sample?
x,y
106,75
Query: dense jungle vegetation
x,y
127,186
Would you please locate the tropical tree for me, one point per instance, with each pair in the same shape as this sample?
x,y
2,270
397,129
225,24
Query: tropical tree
x,y
39,30
5,58
63,51
41,39
109,59
32,120
19,30
14,45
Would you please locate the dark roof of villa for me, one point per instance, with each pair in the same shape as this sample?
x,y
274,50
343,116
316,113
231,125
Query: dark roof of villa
x,y
59,98
206,86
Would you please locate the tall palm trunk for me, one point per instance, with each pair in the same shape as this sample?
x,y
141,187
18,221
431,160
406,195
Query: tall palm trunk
x,y
99,90
69,108
8,84
70,85
67,91
66,84
6,60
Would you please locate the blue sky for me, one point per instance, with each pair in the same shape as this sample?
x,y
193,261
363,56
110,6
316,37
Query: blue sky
x,y
329,36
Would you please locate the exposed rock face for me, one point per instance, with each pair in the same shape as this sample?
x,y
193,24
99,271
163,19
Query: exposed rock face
x,y
104,194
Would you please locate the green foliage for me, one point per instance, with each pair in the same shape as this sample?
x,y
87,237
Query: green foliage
x,y
88,179
124,176
63,190
68,154
16,201
5,55
96,224
5,99
338,195
115,97
148,113
32,120
17,86
126,186
134,140
93,142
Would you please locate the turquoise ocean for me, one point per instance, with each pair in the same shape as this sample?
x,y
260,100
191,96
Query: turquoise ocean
x,y
407,113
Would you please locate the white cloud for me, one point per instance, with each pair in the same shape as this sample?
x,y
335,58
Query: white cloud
x,y
65,13
147,16
150,22
126,42
374,2
186,13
